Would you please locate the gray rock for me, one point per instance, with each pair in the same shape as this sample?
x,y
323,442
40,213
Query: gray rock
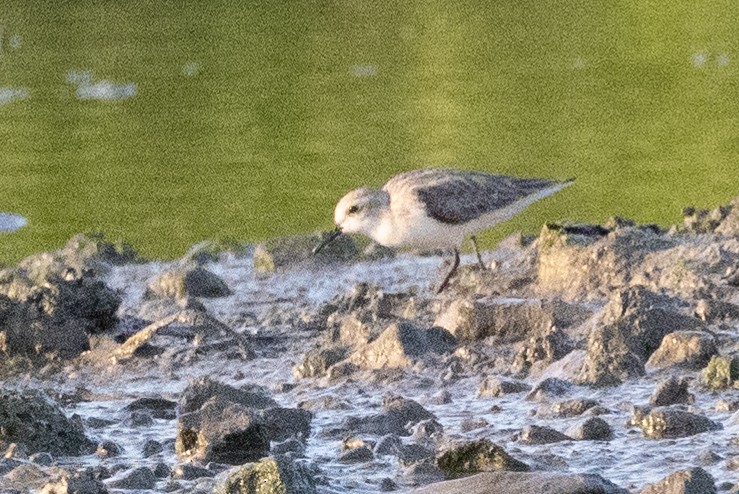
x,y
692,481
139,419
42,459
397,413
283,253
187,279
279,473
714,311
189,471
525,483
541,349
477,456
591,429
83,482
688,349
508,319
498,386
138,478
202,389
409,454
30,418
567,408
108,449
609,360
670,422
361,454
388,444
400,344
284,423
292,446
159,408
671,391
548,388
535,434
151,447
318,360
162,470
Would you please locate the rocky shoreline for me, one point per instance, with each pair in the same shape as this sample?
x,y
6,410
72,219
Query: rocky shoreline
x,y
589,359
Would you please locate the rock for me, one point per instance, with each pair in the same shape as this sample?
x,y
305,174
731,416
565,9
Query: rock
x,y
95,247
318,360
361,454
388,444
669,423
714,311
189,471
542,349
282,253
508,319
567,408
548,388
688,349
202,389
32,419
692,481
535,434
292,446
721,372
42,459
400,344
83,482
159,408
609,359
387,485
108,449
592,429
729,222
524,483
138,478
269,476
151,447
162,471
498,386
397,413
213,250
426,431
139,419
670,392
187,279
477,456
284,423
223,432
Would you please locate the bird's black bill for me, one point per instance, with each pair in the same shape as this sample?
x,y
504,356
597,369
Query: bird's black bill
x,y
327,240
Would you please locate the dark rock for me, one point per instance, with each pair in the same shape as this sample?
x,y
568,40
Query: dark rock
x,y
291,445
276,474
442,397
568,408
498,386
508,319
477,456
139,419
670,392
426,430
535,434
108,449
667,423
361,454
32,419
187,280
609,359
541,349
388,445
138,478
151,447
287,252
224,432
159,408
525,483
471,424
387,485
189,471
83,482
548,388
400,344
592,429
284,423
162,470
42,459
423,472
721,372
688,349
397,413
714,311
692,481
98,423
414,453
203,389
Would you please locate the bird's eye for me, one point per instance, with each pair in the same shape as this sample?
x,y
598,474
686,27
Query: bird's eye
x,y
353,209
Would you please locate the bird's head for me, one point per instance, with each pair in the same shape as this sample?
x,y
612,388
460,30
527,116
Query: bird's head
x,y
361,210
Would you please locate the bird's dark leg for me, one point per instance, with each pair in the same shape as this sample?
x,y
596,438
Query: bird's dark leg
x,y
455,265
477,251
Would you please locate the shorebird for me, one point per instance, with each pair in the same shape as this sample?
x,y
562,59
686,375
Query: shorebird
x,y
437,208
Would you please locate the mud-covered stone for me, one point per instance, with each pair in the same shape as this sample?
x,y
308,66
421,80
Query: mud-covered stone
x,y
524,483
688,349
361,454
401,344
138,478
548,388
188,279
609,360
318,360
508,319
203,388
671,391
397,412
82,482
159,408
721,372
541,349
670,422
32,419
691,481
273,475
477,456
287,252
536,434
567,408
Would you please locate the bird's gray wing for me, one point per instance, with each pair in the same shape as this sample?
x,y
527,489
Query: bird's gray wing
x,y
457,196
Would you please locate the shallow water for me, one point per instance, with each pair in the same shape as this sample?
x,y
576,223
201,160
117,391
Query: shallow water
x,y
172,122
629,460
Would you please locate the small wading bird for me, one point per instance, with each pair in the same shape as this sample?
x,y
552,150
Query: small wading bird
x,y
437,208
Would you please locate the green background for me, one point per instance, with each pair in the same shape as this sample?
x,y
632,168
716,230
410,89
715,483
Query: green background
x,y
289,104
